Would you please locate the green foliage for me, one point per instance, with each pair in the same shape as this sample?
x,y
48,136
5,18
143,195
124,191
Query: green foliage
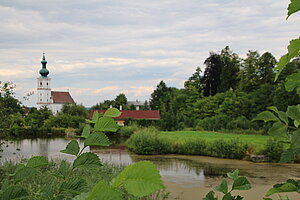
x,y
293,82
106,124
273,150
239,183
289,186
140,179
294,6
37,161
127,131
103,191
88,160
113,112
72,148
97,139
13,192
293,51
150,141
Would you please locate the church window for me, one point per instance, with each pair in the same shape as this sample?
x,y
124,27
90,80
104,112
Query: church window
x,y
40,83
47,83
40,99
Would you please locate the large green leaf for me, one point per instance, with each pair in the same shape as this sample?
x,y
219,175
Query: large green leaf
x,y
63,169
234,175
74,184
112,112
210,196
241,183
97,139
283,116
95,116
86,131
266,116
140,179
294,6
88,160
13,192
223,187
295,140
294,112
286,187
103,191
293,50
37,161
24,173
106,124
72,148
279,130
293,82
228,196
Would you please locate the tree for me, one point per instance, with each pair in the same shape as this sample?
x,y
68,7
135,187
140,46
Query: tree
x,y
212,74
10,108
159,96
249,78
121,100
230,69
266,64
194,83
75,110
36,118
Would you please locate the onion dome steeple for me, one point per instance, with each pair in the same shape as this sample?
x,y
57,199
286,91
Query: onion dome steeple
x,y
44,71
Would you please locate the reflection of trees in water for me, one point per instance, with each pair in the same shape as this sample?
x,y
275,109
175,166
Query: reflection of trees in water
x,y
175,164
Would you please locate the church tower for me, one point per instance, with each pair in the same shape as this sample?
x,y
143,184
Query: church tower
x,y
43,85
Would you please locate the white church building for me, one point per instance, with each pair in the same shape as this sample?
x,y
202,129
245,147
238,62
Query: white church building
x,y
54,100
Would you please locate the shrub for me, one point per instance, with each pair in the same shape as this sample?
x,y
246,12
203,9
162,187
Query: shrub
x,y
273,150
214,123
233,149
127,131
242,123
146,141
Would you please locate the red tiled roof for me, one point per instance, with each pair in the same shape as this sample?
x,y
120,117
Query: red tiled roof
x,y
135,114
61,97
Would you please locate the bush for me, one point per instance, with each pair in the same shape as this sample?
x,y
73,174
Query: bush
x,y
242,123
214,123
233,149
127,131
273,150
146,141
150,141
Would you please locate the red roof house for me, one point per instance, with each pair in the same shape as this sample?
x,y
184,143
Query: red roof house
x,y
61,97
133,114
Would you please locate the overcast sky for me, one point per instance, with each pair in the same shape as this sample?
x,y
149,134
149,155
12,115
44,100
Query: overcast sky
x,y
98,49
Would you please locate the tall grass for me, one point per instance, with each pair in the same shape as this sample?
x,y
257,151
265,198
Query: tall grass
x,y
150,141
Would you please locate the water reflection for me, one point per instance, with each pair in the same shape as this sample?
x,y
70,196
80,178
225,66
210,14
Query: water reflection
x,y
181,173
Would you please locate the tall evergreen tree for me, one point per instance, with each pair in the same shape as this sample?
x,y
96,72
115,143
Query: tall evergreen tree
x,y
212,74
230,69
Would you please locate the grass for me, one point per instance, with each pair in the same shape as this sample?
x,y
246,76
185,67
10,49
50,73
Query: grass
x,y
258,140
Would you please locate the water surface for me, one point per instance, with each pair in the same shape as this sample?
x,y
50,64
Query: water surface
x,y
186,177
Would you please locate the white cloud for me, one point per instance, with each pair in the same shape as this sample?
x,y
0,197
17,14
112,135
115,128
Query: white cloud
x,y
98,49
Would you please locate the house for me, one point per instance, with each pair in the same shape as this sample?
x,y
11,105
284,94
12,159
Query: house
x,y
54,100
133,114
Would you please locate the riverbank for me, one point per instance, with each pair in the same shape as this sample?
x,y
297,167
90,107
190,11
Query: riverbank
x,y
223,145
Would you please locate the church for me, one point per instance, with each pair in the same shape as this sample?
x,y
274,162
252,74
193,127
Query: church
x,y
54,100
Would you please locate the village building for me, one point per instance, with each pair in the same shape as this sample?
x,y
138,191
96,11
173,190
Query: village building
x,y
54,100
133,114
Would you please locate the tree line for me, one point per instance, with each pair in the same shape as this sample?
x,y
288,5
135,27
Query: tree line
x,y
227,94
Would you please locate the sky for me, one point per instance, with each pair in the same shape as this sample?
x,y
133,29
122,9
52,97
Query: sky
x,y
97,49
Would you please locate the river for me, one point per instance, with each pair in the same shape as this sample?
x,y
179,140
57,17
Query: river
x,y
186,177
